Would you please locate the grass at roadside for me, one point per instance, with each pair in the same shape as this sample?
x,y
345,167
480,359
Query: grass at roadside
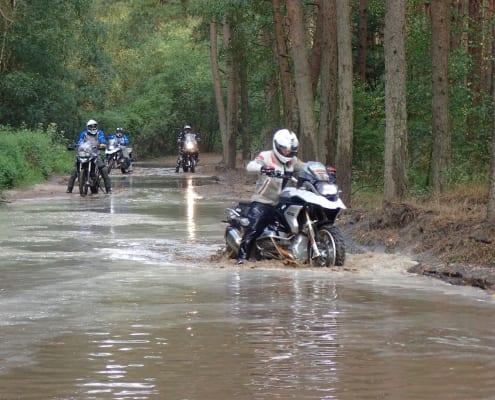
x,y
29,156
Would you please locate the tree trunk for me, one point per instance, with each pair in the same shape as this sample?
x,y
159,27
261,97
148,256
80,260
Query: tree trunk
x,y
7,18
316,50
491,195
289,102
302,75
244,127
487,45
440,19
395,184
345,111
217,85
363,38
272,119
232,95
328,111
490,215
475,48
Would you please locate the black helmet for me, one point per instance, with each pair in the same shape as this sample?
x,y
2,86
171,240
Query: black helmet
x,y
119,132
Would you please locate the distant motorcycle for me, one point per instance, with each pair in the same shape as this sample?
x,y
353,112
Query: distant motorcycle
x,y
188,158
117,156
303,227
88,173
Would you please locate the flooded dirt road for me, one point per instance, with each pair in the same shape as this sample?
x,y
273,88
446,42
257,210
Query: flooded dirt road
x,y
114,297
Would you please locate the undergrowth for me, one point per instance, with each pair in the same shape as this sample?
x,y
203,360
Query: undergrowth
x,y
29,156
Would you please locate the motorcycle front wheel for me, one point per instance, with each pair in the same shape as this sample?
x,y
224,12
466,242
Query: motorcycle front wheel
x,y
331,245
111,164
83,177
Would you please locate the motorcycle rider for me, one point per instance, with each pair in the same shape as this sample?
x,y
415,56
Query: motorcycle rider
x,y
181,137
122,139
280,160
95,136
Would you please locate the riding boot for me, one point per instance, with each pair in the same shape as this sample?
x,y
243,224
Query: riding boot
x,y
72,180
106,179
177,165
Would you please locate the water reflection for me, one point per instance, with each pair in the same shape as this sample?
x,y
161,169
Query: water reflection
x,y
190,197
295,341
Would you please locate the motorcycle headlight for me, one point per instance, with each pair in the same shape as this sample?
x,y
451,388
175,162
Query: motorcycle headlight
x,y
189,146
329,190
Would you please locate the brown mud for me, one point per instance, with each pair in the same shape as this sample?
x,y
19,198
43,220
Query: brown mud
x,y
446,236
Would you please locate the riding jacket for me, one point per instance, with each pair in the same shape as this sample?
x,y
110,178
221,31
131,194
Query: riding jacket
x,y
268,188
121,141
99,138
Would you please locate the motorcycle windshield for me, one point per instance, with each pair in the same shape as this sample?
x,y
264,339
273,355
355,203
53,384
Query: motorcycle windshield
x,y
317,170
190,143
112,146
86,149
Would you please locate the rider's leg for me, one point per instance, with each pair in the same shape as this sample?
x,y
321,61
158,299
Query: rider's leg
x,y
259,216
177,166
72,180
104,173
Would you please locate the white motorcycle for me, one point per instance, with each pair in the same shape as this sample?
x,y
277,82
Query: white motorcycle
x,y
118,156
303,229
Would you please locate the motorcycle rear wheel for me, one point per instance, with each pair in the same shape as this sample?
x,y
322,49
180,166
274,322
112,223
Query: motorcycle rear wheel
x,y
331,246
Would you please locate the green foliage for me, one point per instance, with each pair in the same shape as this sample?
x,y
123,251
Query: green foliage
x,y
31,155
145,66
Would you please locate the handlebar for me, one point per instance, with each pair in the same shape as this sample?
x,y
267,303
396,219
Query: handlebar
x,y
280,175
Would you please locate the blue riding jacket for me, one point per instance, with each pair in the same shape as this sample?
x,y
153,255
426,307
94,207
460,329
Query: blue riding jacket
x,y
100,136
122,141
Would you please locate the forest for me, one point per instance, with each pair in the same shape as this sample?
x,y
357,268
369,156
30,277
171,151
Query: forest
x,y
398,94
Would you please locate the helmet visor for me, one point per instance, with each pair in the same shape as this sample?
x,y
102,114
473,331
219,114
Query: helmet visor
x,y
287,151
92,128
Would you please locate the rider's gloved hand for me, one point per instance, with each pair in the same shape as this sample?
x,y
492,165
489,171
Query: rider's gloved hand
x,y
267,170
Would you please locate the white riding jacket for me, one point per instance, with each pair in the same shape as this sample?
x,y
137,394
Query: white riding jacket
x,y
268,189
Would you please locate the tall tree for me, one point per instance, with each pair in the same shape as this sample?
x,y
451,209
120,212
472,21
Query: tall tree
x,y
244,99
475,49
217,85
440,161
302,77
395,184
289,101
232,95
315,61
491,193
345,110
363,37
327,130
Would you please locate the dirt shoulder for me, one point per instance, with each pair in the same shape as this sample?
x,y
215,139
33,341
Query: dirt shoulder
x,y
446,235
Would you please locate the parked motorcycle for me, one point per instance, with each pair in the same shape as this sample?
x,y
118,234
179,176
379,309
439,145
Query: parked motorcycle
x,y
188,158
88,173
117,156
303,227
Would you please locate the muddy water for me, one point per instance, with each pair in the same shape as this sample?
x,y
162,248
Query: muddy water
x,y
108,297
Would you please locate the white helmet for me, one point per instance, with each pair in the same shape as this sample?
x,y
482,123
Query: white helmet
x,y
187,127
285,145
92,127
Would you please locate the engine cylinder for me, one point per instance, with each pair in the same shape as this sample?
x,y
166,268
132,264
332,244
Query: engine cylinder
x,y
233,238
